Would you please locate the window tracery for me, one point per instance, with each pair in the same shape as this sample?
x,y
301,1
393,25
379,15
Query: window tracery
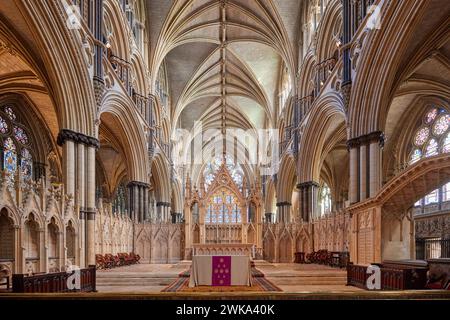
x,y
223,207
433,136
15,143
430,139
235,170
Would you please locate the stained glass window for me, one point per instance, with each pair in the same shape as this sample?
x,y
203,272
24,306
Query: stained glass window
x,y
9,156
10,112
223,208
422,136
20,135
3,126
431,115
446,144
415,156
432,148
16,151
234,169
26,164
441,125
432,138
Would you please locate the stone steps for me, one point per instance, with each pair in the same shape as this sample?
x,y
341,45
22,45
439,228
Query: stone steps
x,y
303,275
132,279
300,280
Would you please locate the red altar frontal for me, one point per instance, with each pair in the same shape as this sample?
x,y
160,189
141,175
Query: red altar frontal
x,y
220,270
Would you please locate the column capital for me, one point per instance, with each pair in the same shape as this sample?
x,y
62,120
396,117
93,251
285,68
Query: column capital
x,y
69,135
163,204
307,184
353,143
138,184
375,136
283,203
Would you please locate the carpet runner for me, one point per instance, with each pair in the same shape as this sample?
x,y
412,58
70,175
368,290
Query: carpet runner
x,y
259,284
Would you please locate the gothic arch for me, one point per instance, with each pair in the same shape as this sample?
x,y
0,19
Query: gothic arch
x,y
138,68
286,179
161,176
117,34
329,31
325,117
128,124
65,66
374,87
271,197
306,82
177,197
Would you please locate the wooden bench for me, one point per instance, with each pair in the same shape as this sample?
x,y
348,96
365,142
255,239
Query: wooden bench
x,y
395,275
54,282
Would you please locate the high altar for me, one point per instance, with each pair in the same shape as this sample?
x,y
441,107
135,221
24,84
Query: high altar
x,y
223,217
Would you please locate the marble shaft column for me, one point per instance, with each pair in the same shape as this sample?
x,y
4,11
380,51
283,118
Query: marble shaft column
x,y
353,147
141,203
90,206
363,171
79,181
308,198
376,143
81,186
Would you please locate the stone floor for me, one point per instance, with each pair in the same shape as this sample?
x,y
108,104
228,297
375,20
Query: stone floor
x,y
291,278
139,278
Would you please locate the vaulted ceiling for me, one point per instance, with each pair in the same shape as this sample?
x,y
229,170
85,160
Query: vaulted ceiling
x,y
224,58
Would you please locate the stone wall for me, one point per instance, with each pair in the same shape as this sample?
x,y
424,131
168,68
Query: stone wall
x,y
282,240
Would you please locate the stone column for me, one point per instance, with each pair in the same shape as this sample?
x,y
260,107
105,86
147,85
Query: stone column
x,y
363,172
69,167
135,202
61,251
283,214
141,203
168,214
353,147
130,200
18,254
97,31
146,204
201,213
138,200
43,256
81,199
376,143
187,230
90,204
79,176
365,166
308,200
